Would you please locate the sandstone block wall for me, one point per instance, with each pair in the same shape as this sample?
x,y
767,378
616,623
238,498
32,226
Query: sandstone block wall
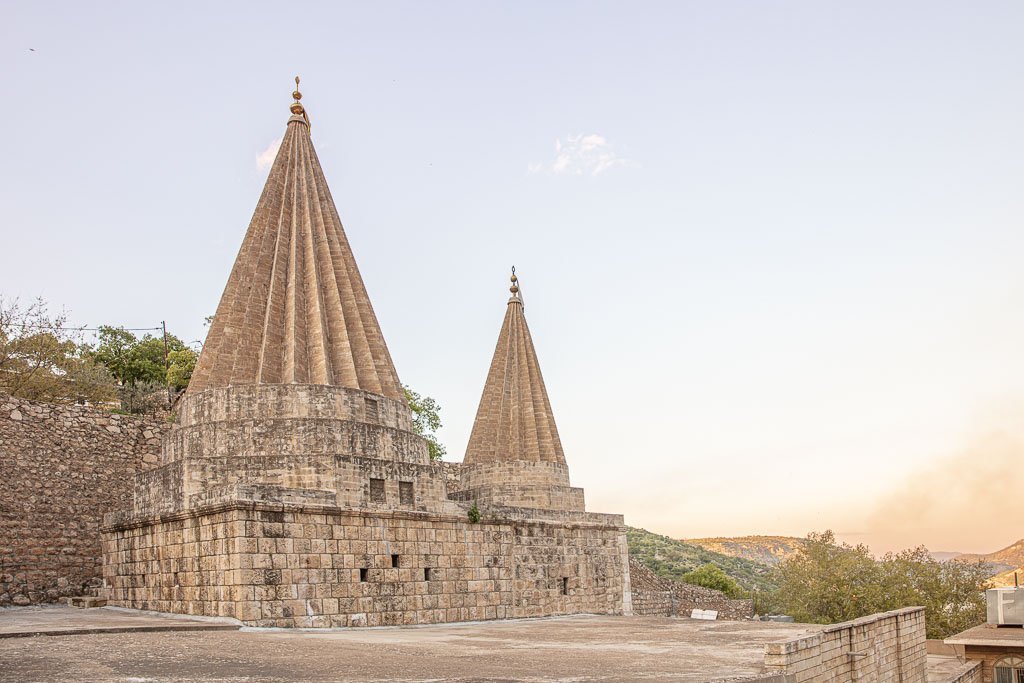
x,y
657,596
62,468
886,647
315,566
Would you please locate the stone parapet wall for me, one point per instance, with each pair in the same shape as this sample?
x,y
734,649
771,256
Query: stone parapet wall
x,y
173,486
544,497
293,420
317,401
519,483
309,565
886,647
654,595
62,468
970,672
519,472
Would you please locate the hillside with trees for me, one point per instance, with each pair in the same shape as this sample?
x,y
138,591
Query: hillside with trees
x,y
674,559
768,550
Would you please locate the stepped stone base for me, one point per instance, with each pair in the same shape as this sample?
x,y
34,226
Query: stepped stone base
x,y
292,558
518,483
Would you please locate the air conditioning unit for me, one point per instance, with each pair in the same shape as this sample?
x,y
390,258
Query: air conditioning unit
x,y
1005,606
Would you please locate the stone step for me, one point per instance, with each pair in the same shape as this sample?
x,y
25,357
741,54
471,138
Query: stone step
x,y
84,601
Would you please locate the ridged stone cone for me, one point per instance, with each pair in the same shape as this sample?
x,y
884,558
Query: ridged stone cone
x,y
295,310
514,421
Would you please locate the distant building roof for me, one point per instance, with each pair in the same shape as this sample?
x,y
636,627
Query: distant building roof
x,y
991,635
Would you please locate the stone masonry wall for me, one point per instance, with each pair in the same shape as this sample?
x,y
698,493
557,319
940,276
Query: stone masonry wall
x,y
319,566
884,648
61,468
654,595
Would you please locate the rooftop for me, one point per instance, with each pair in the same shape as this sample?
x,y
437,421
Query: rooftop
x,y
558,648
989,634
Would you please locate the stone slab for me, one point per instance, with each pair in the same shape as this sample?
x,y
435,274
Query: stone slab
x,y
63,620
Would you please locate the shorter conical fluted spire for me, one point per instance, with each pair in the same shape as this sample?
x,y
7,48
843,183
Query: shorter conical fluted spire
x,y
514,421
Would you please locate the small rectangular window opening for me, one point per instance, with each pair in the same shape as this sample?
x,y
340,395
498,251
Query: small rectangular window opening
x,y
377,491
394,561
565,585
372,410
426,573
363,573
405,493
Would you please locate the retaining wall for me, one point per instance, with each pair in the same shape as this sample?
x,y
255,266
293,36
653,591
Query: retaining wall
x,y
654,595
61,468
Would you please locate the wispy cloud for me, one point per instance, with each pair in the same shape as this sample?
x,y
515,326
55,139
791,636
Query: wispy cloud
x,y
583,154
266,157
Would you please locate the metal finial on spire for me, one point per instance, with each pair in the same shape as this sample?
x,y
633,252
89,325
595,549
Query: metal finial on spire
x,y
515,287
297,107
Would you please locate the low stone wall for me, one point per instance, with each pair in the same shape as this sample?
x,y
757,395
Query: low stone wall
x,y
882,647
654,595
61,468
971,672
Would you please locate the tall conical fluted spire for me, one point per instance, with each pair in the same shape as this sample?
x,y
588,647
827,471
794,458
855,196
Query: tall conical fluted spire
x,y
295,309
514,421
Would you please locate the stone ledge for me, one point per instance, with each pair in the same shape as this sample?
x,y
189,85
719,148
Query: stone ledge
x,y
254,498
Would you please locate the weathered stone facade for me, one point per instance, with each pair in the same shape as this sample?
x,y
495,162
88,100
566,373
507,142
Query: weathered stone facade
x,y
317,566
293,491
63,466
656,596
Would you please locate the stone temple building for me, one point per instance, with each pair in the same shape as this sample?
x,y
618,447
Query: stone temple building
x,y
292,490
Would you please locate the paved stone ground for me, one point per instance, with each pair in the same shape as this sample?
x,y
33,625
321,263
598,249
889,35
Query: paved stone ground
x,y
55,620
580,648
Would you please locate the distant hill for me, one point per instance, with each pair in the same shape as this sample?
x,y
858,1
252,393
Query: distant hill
x,y
1003,563
1006,579
769,550
671,558
1011,556
943,556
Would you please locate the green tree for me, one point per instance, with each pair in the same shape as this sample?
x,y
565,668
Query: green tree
x,y
131,359
426,420
952,592
139,366
711,576
182,363
42,359
828,582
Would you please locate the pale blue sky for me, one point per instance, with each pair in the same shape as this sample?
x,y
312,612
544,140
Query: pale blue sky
x,y
786,276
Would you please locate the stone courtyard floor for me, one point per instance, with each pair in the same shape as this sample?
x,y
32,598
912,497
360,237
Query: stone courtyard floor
x,y
577,648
